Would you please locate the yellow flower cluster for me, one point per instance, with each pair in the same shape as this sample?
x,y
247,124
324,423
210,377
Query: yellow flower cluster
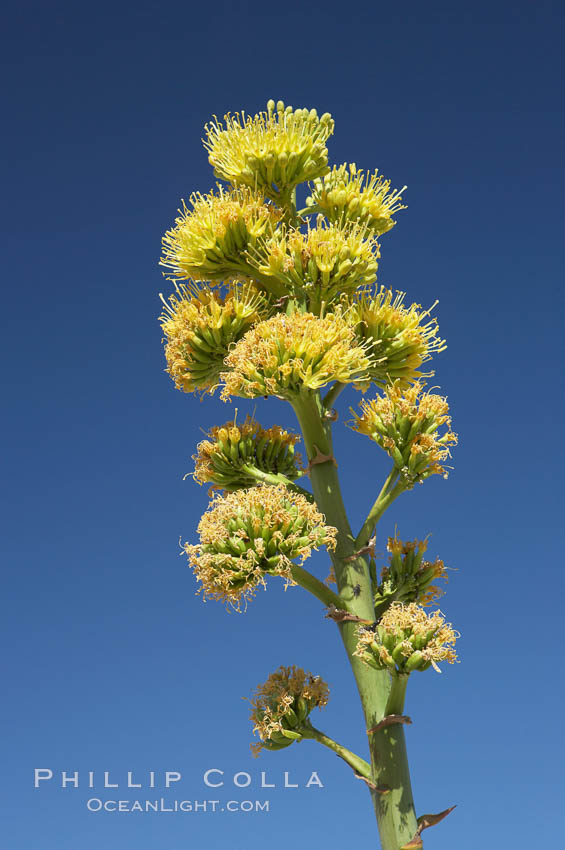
x,y
283,354
348,194
402,338
272,151
321,264
199,326
209,241
281,706
249,534
408,577
407,638
235,456
406,423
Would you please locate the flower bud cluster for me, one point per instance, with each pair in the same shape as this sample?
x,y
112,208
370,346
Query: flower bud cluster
x,y
284,354
272,151
408,577
199,326
407,638
209,241
402,338
234,454
281,706
250,534
346,193
406,423
322,264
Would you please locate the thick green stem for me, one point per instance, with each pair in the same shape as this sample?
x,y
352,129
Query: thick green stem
x,y
320,590
395,810
359,765
327,492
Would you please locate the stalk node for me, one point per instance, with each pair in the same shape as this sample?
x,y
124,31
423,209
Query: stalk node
x,y
320,457
369,549
390,720
340,616
377,789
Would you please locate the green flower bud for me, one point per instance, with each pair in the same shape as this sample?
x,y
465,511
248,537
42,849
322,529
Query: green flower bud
x,y
407,638
408,577
233,453
348,194
281,707
200,326
250,534
284,354
320,265
209,242
401,338
406,423
264,151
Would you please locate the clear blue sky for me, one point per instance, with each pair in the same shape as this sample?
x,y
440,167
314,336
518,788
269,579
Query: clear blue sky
x,y
111,661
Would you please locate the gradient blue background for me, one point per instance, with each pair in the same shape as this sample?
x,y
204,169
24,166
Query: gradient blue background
x,y
111,662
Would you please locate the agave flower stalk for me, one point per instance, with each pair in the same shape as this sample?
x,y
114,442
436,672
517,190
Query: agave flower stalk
x,y
287,304
395,811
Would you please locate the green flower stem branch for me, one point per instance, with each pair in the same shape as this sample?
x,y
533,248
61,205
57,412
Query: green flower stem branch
x,y
274,478
270,284
359,765
395,810
332,395
386,497
316,587
397,695
309,210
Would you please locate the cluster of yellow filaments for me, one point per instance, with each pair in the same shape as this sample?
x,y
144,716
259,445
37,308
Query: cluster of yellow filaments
x,y
199,326
407,638
249,534
285,354
236,456
406,423
402,338
322,264
408,577
281,706
346,193
272,151
209,241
